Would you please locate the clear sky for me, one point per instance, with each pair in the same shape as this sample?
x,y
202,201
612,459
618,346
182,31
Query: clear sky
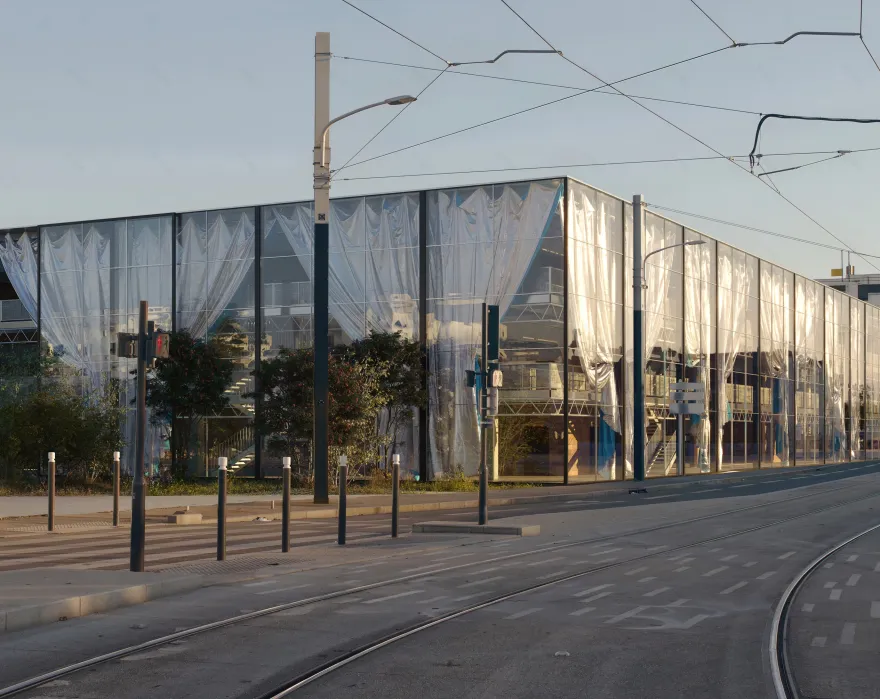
x,y
120,108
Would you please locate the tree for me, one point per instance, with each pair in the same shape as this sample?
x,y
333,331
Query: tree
x,y
287,394
402,382
186,386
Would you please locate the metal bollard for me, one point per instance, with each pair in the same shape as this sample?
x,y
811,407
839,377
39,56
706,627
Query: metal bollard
x,y
115,488
285,506
51,484
221,508
395,493
343,482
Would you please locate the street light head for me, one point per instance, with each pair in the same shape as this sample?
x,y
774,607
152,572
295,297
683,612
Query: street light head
x,y
401,99
695,242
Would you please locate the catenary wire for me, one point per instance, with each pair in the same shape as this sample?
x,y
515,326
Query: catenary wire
x,y
706,15
801,118
702,142
766,174
400,34
546,84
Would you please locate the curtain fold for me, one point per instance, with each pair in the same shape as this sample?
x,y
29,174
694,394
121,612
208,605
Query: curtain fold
x,y
19,260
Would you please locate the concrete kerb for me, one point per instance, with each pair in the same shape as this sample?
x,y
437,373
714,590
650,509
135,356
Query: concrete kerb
x,y
20,618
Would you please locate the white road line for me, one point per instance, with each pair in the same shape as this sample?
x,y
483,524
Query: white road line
x,y
636,570
553,574
850,559
487,570
282,589
830,585
547,560
648,579
750,564
593,598
716,549
676,557
853,580
694,620
730,557
485,581
459,555
775,480
427,567
734,588
659,497
744,485
875,610
788,554
592,589
260,583
605,560
678,602
397,596
464,597
597,553
687,560
768,574
654,593
835,594
625,615
828,565
848,634
583,610
808,607
682,569
434,599
707,490
658,548
714,571
819,642
524,612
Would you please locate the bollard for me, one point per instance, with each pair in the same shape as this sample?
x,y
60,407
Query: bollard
x,y
343,482
115,488
395,493
51,484
285,506
221,508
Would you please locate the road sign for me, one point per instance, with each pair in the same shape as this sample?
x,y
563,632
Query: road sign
x,y
695,408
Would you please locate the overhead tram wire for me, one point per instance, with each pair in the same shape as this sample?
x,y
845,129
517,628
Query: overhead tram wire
x,y
692,136
706,15
862,37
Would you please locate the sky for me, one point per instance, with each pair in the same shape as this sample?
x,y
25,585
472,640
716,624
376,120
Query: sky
x,y
125,108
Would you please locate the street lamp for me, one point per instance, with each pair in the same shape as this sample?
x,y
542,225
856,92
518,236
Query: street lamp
x,y
639,336
321,261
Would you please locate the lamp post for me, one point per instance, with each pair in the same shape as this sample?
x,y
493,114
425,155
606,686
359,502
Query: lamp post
x,y
639,285
321,270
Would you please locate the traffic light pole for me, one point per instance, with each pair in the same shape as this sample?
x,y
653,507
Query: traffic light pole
x,y
484,370
138,487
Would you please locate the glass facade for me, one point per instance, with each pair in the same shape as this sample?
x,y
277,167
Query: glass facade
x,y
790,368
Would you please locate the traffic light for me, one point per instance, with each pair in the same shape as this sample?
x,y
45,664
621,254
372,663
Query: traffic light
x,y
126,345
158,346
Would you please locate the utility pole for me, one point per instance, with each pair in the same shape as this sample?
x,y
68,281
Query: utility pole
x,y
321,246
484,371
638,441
138,493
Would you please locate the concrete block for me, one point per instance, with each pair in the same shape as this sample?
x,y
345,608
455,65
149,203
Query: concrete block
x,y
184,518
113,599
36,615
468,528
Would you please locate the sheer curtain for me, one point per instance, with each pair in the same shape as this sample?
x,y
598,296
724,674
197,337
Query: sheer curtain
x,y
699,328
19,260
733,291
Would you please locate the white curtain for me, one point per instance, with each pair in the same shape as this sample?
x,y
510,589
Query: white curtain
x,y
481,243
699,329
20,264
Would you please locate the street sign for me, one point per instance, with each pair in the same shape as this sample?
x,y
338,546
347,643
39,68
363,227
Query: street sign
x,y
695,408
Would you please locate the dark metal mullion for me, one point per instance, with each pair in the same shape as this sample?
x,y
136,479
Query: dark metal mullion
x,y
423,332
621,396
715,443
175,231
258,335
565,399
756,368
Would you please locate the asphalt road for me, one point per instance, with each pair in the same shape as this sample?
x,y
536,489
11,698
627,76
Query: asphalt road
x,y
663,597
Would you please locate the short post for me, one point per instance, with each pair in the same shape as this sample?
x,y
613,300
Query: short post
x,y
51,483
221,508
679,433
115,488
395,494
343,482
285,506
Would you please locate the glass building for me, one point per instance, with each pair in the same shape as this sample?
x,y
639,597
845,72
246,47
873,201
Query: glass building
x,y
791,368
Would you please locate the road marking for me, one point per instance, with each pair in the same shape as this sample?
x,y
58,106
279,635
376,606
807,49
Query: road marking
x,y
549,560
397,596
848,634
344,600
434,599
850,559
875,610
829,585
730,557
828,565
678,602
835,594
694,620
524,612
583,610
819,642
654,593
734,588
775,480
459,555
744,485
260,583
648,579
687,560
807,607
714,571
487,570
427,567
853,580
485,581
877,568
716,549
464,597
597,596
682,569
597,553
550,575
605,560
768,574
676,557
658,548
707,490
750,564
636,570
658,497
789,554
625,615
592,589
282,589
